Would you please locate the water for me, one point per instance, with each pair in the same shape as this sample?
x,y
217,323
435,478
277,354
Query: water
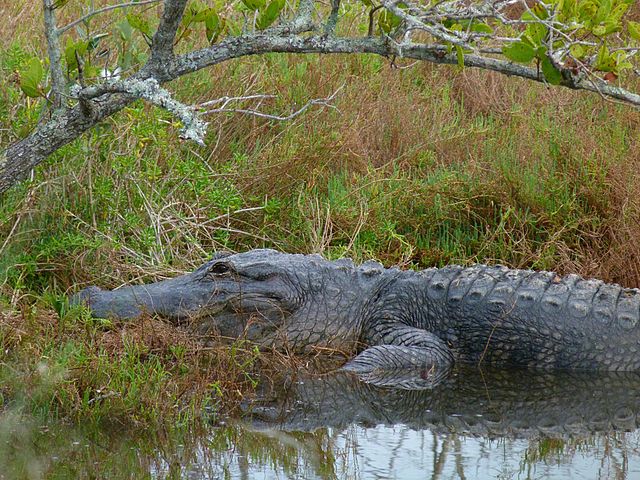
x,y
490,424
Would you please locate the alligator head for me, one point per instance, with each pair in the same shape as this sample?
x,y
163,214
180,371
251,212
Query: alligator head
x,y
271,298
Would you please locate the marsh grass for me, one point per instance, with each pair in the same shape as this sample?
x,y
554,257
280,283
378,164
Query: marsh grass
x,y
143,374
415,167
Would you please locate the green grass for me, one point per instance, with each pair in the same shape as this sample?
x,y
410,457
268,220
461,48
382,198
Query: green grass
x,y
71,366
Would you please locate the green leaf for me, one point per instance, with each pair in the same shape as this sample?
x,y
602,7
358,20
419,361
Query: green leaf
x,y
197,12
124,30
481,28
70,51
568,9
634,30
139,23
202,15
95,40
31,77
540,11
603,11
612,27
551,73
214,26
599,30
577,51
254,4
587,12
536,33
618,12
541,52
604,61
388,21
621,60
519,52
270,14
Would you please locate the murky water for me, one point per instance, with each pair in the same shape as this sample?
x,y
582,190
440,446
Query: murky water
x,y
491,424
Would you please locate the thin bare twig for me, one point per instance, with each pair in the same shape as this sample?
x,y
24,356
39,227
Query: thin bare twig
x,y
104,10
227,100
325,102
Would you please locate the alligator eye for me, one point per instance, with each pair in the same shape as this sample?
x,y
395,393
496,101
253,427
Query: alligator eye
x,y
219,268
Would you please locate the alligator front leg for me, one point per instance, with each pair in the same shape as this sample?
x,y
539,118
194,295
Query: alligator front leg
x,y
401,349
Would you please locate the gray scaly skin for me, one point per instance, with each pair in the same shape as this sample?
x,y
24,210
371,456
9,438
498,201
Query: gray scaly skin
x,y
427,319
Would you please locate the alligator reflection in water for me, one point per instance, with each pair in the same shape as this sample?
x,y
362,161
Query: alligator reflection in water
x,y
492,424
513,403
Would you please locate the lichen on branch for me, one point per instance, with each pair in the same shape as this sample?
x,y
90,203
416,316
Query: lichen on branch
x,y
150,90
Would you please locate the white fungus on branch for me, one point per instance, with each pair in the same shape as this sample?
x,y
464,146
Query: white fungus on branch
x,y
193,128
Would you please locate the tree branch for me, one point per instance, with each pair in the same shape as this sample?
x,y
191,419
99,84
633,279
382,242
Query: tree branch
x,y
65,126
162,43
149,89
226,100
332,21
264,43
53,47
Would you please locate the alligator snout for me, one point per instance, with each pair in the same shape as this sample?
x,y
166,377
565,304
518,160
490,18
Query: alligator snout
x,y
125,304
85,295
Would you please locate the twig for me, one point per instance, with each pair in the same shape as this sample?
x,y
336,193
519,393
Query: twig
x,y
226,100
103,10
320,101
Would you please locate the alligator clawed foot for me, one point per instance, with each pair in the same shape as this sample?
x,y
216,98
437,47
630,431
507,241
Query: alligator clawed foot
x,y
424,378
394,366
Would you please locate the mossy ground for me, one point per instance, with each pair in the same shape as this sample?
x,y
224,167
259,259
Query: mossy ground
x,y
416,167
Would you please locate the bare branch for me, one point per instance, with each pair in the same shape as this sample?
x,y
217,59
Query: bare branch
x,y
325,102
104,10
416,24
304,11
332,21
302,21
226,100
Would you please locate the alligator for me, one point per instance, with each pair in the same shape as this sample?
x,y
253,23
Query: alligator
x,y
392,318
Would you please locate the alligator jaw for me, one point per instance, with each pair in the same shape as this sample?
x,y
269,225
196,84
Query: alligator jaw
x,y
175,299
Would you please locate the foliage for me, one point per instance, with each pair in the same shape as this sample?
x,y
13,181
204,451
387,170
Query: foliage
x,y
580,36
